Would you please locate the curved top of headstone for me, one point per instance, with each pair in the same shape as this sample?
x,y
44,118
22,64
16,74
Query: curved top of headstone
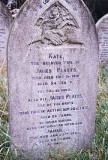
x,y
102,30
100,21
53,23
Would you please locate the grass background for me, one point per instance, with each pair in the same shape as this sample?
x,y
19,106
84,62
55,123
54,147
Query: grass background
x,y
99,149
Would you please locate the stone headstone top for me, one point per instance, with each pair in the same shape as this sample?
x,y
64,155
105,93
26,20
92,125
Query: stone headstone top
x,y
102,30
52,68
5,24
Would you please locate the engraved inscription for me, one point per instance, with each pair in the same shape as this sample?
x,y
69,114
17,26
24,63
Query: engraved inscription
x,y
56,99
103,42
4,25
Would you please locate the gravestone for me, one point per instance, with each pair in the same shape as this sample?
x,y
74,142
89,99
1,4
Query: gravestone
x,y
102,30
5,23
52,68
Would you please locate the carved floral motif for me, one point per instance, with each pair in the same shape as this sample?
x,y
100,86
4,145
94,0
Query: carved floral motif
x,y
56,25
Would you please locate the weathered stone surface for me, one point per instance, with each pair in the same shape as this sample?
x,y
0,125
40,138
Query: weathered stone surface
x,y
5,23
102,30
52,68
